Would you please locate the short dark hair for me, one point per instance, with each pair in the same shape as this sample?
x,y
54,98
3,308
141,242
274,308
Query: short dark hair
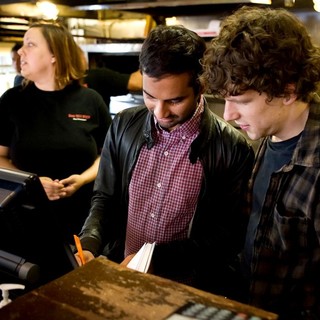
x,y
265,50
172,50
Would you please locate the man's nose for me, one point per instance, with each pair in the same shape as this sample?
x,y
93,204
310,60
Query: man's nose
x,y
160,109
230,113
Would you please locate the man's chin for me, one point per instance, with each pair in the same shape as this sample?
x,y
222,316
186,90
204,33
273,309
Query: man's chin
x,y
166,126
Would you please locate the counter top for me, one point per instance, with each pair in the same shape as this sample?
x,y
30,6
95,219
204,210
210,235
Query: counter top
x,y
102,290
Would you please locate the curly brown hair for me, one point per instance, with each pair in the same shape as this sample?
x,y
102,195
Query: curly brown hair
x,y
262,49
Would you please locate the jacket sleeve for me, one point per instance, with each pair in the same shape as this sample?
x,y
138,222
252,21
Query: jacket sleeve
x,y
104,230
96,230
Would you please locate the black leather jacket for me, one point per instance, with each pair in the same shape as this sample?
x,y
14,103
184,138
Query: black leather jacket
x,y
217,228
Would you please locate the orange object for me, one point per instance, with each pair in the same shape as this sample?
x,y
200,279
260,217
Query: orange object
x,y
79,248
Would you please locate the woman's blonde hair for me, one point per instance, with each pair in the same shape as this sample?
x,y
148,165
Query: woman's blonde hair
x,y
68,55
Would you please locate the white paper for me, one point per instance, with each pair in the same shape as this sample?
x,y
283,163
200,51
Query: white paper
x,y
141,261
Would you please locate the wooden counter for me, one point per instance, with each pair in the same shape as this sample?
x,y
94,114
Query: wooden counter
x,y
103,290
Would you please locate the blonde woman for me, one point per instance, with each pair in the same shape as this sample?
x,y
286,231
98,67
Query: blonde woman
x,y
52,125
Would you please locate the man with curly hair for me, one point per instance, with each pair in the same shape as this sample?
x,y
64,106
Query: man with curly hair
x,y
266,67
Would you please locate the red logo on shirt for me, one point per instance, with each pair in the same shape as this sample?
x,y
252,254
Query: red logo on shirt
x,y
79,117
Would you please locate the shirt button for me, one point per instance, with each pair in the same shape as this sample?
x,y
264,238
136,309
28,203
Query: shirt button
x,y
152,215
159,185
166,153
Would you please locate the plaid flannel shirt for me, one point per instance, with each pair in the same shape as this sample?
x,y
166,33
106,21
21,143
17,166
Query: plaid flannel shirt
x,y
286,255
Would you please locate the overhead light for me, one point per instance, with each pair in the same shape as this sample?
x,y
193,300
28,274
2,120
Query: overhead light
x,y
48,10
316,5
261,1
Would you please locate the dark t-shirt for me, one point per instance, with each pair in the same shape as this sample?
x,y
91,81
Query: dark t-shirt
x,y
55,134
277,154
107,82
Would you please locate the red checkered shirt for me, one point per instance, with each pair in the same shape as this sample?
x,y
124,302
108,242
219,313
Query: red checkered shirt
x,y
164,188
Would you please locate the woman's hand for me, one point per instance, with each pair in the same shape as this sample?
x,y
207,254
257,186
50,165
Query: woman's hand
x,y
54,189
57,189
72,184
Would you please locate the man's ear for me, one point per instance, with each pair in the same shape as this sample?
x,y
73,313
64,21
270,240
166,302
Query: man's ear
x,y
53,59
291,96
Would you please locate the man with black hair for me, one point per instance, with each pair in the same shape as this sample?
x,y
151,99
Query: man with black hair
x,y
172,172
